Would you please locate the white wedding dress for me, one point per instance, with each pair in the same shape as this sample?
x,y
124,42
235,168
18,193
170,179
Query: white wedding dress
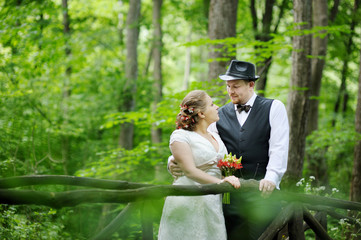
x,y
195,217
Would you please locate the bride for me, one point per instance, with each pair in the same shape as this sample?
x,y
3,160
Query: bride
x,y
197,152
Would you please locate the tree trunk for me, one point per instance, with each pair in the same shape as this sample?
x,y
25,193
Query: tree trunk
x,y
355,193
65,141
262,70
342,91
298,98
317,164
222,24
157,75
334,10
121,23
131,72
149,59
263,35
319,50
157,72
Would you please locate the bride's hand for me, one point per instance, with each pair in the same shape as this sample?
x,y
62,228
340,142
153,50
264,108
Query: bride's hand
x,y
233,180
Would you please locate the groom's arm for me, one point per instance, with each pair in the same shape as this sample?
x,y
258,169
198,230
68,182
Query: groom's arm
x,y
173,167
278,148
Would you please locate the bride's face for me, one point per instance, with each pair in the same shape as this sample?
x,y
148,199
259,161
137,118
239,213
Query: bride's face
x,y
211,112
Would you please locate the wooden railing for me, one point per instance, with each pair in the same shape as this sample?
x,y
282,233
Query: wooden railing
x,y
292,221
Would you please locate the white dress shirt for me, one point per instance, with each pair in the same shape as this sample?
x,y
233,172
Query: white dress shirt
x,y
278,142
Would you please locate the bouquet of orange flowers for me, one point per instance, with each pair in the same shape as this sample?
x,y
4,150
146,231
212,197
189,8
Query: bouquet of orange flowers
x,y
228,165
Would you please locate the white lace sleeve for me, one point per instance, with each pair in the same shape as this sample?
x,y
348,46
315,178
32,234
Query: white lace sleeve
x,y
179,136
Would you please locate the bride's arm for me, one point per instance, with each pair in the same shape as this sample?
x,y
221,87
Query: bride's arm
x,y
183,154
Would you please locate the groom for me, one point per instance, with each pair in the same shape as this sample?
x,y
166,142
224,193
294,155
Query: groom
x,y
257,129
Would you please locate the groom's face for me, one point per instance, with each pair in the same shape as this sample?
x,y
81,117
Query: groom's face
x,y
240,91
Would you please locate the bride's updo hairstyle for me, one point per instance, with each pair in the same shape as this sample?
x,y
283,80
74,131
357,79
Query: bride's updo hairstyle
x,y
193,103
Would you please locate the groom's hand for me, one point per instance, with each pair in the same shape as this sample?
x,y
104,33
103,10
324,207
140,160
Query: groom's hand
x,y
266,187
174,168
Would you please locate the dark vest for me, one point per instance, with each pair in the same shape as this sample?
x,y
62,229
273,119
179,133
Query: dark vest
x,y
249,141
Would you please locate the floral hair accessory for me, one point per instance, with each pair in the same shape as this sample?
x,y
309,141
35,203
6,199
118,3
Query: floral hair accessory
x,y
184,118
185,107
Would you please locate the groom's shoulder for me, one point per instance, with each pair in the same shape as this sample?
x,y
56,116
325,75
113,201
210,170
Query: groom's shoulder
x,y
263,99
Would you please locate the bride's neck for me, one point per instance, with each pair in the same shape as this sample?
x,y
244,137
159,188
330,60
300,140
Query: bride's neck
x,y
201,128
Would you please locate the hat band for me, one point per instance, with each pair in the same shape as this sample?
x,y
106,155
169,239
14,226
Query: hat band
x,y
241,76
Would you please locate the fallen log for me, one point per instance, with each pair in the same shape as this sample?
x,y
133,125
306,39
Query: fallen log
x,y
31,180
76,197
124,192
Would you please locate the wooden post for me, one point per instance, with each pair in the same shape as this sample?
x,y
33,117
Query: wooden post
x,y
146,219
315,225
295,225
278,223
323,222
114,225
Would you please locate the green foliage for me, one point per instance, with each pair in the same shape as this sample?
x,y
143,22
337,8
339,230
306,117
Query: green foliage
x,y
137,163
337,228
345,229
335,147
34,223
38,124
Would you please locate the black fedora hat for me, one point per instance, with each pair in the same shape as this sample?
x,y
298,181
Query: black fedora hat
x,y
239,70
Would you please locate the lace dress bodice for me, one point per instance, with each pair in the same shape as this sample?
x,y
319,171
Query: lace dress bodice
x,y
195,217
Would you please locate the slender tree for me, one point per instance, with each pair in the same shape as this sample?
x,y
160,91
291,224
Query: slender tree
x,y
131,72
298,98
316,164
319,50
355,193
262,29
157,72
342,95
156,132
65,140
334,10
121,23
222,20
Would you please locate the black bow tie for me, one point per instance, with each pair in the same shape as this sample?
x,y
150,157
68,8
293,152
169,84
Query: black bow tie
x,y
245,108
